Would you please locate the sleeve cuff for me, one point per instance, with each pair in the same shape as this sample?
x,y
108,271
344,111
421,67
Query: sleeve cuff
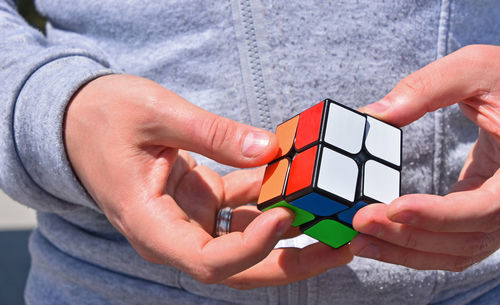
x,y
38,124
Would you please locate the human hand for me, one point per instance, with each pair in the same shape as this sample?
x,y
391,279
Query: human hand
x,y
449,232
126,138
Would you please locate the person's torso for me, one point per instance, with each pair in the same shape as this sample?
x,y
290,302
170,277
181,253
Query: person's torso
x,y
261,62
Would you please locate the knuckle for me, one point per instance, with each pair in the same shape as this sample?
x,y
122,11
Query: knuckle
x,y
152,100
147,255
479,56
415,84
122,218
218,133
476,52
206,277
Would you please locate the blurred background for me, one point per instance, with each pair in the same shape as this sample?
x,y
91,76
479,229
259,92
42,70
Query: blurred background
x,y
16,221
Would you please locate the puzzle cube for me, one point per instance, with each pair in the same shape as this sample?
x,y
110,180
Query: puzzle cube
x,y
333,161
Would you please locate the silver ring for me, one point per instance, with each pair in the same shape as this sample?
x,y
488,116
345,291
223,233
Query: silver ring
x,y
223,221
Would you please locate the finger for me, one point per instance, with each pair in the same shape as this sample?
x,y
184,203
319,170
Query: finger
x,y
182,165
183,125
461,75
486,148
242,186
371,247
232,253
244,215
465,211
467,184
484,111
287,265
161,233
372,221
199,193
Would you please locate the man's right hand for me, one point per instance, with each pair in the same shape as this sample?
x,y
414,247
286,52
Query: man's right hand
x,y
127,139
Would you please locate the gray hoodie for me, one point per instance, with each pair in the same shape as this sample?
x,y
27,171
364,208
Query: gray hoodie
x,y
257,62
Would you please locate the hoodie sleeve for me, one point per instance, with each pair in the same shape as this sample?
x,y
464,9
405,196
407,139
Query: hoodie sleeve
x,y
37,79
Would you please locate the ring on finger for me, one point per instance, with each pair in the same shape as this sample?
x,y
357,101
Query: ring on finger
x,y
223,221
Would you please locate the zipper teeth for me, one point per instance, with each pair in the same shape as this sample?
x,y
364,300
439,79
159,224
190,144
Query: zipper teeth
x,y
299,290
439,131
255,65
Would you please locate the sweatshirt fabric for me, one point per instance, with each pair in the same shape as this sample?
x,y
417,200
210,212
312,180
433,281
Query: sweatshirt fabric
x,y
256,62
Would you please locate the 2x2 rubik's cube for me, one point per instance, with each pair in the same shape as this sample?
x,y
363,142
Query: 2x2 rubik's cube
x,y
333,161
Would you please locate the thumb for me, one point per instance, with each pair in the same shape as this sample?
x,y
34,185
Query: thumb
x,y
192,128
461,75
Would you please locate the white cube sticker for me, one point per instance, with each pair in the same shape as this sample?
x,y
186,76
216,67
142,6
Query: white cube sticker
x,y
383,141
338,174
381,182
344,129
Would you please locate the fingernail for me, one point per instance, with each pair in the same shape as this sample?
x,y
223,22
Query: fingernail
x,y
377,107
254,144
405,217
370,251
